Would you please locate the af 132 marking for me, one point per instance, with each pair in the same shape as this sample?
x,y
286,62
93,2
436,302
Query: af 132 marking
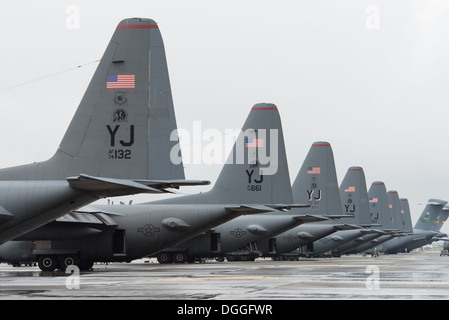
x,y
120,153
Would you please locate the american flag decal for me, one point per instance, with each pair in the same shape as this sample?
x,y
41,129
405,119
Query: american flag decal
x,y
253,143
121,81
350,189
313,170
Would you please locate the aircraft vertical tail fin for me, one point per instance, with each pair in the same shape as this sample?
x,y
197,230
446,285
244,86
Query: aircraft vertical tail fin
x,y
394,205
316,182
405,214
429,215
256,171
122,126
354,197
444,214
378,202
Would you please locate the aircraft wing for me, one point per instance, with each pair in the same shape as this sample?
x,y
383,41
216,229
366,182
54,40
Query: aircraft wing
x,y
110,186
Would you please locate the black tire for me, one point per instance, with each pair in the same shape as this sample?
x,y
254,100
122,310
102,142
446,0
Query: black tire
x,y
180,257
68,260
164,258
47,263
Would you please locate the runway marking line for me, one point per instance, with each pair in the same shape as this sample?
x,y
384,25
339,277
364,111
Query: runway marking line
x,y
215,278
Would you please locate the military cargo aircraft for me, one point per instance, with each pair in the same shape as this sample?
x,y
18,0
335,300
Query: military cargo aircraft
x,y
317,185
235,239
354,199
127,232
116,144
371,246
425,231
356,245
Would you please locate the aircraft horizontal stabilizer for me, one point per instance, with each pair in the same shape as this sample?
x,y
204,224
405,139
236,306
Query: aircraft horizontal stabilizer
x,y
175,184
440,238
369,231
346,226
263,208
113,187
249,209
338,216
285,207
5,215
371,225
79,216
91,209
310,218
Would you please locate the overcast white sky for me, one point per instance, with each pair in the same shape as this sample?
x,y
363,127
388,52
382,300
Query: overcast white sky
x,y
370,77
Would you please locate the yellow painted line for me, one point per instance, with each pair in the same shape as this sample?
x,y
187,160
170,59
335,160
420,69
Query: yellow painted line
x,y
215,278
312,265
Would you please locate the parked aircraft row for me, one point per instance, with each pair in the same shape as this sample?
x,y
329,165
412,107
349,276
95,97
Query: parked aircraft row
x,y
119,143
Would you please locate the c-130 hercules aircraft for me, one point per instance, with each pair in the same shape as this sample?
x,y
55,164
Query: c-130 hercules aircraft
x,y
139,230
118,141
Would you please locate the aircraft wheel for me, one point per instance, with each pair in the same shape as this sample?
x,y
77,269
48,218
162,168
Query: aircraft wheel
x,y
164,258
180,257
47,263
68,260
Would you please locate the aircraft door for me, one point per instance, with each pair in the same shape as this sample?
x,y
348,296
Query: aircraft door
x,y
118,242
272,245
310,247
215,245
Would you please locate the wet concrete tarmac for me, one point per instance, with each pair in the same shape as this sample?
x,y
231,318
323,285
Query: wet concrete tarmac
x,y
418,275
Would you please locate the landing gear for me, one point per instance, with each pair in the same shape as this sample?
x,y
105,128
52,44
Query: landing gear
x,y
180,257
68,260
175,257
164,258
62,262
48,263
233,258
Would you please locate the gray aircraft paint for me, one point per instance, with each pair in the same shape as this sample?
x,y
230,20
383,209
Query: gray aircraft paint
x,y
317,181
145,229
405,215
355,202
379,209
407,228
115,135
423,231
394,206
316,184
242,232
240,182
